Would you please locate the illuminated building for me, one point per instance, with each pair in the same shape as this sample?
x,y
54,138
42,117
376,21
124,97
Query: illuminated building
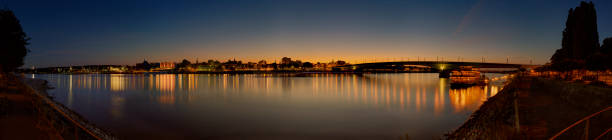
x,y
166,65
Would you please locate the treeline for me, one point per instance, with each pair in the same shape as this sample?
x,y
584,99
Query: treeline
x,y
580,48
13,42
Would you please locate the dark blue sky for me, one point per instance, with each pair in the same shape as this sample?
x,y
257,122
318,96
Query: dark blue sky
x,y
66,32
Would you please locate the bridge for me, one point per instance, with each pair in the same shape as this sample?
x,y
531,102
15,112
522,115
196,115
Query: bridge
x,y
443,67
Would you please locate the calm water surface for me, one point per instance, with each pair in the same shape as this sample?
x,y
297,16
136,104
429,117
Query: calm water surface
x,y
257,106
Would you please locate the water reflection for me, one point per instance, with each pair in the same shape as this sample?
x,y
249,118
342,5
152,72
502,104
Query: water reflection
x,y
116,105
165,83
418,98
69,90
467,99
415,92
117,82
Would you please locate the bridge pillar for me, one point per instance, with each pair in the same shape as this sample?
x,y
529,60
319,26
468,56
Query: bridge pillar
x,y
444,74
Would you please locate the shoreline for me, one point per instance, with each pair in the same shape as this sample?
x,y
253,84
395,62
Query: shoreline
x,y
271,74
48,119
537,108
40,87
257,72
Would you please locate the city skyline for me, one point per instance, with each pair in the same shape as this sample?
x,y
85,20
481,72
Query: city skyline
x,y
124,33
305,69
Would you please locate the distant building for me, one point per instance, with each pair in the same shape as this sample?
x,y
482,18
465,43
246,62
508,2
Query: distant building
x,y
117,69
167,65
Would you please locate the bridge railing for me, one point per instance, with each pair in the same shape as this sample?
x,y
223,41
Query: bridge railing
x,y
480,59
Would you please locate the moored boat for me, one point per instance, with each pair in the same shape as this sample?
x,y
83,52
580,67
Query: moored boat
x,y
466,76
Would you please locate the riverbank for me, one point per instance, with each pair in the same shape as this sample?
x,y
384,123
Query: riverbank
x,y
26,112
543,107
251,72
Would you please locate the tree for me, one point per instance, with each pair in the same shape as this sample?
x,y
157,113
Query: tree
x,y
580,39
13,42
340,62
606,50
606,47
285,60
183,64
597,61
144,65
213,62
307,65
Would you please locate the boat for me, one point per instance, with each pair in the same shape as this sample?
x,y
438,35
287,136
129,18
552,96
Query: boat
x,y
466,76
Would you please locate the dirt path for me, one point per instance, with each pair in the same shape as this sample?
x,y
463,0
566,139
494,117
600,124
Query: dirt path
x,y
18,118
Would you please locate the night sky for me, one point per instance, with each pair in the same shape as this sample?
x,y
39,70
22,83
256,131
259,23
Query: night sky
x,y
126,32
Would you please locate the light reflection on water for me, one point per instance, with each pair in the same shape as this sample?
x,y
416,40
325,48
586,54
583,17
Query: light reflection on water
x,y
244,106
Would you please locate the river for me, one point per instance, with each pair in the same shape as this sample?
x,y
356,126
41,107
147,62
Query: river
x,y
264,106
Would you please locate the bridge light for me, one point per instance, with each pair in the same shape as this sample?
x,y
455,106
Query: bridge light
x,y
442,67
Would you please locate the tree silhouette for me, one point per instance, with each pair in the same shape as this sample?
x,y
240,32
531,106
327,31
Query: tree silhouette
x,y
145,65
580,39
13,42
606,47
606,50
307,65
184,64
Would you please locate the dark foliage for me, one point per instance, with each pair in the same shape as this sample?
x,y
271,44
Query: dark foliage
x,y
307,65
606,47
13,42
606,51
144,65
183,64
580,42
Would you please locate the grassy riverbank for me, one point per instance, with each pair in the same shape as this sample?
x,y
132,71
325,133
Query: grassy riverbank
x,y
26,112
545,107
